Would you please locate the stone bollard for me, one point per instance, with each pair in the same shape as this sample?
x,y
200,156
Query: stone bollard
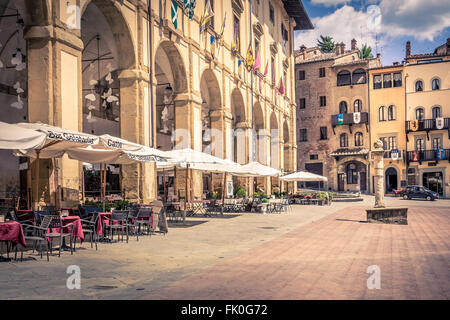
x,y
378,162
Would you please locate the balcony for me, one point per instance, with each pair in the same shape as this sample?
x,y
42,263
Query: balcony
x,y
349,120
428,125
426,155
388,154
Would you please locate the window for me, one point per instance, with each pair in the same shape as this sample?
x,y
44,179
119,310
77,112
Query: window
x,y
359,76
314,157
436,111
272,18
419,85
352,174
382,113
391,113
387,81
257,47
397,79
343,107
420,144
301,75
272,69
385,144
344,78
285,82
321,72
323,101
344,140
420,114
377,82
237,34
436,84
302,103
358,139
284,36
357,106
392,143
323,133
303,135
437,143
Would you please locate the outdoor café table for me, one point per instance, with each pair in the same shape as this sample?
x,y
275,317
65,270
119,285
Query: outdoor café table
x,y
100,221
11,232
76,229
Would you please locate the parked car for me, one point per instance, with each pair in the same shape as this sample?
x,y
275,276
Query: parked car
x,y
419,192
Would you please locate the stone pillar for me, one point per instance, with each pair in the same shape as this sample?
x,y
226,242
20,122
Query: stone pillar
x,y
378,162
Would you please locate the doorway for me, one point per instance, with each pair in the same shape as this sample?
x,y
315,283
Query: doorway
x,y
391,180
434,181
341,182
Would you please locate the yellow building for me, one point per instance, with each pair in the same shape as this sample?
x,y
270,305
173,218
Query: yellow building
x,y
428,118
100,67
387,122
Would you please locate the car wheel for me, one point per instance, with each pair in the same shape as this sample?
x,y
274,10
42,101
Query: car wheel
x,y
405,197
429,198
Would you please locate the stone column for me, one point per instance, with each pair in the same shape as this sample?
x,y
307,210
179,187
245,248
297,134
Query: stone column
x,y
378,162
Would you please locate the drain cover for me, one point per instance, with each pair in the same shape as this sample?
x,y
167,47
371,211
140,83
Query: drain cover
x,y
270,228
103,287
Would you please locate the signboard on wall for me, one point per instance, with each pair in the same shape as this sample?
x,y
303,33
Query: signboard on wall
x,y
230,188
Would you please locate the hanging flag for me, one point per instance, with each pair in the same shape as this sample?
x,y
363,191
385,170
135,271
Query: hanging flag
x,y
440,154
440,123
266,70
207,15
281,86
174,13
212,44
239,66
414,125
356,117
415,155
395,154
222,28
257,62
236,44
190,6
250,60
340,118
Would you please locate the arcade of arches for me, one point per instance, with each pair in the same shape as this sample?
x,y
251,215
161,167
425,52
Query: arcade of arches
x,y
94,76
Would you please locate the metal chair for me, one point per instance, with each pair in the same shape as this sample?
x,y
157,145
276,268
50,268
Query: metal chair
x,y
142,219
121,217
39,234
89,227
38,214
57,224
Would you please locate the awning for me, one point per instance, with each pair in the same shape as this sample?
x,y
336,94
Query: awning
x,y
14,137
350,152
303,176
259,170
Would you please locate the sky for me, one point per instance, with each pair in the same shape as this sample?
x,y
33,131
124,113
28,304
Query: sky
x,y
385,25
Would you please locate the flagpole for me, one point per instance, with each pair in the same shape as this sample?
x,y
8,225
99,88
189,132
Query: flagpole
x,y
251,86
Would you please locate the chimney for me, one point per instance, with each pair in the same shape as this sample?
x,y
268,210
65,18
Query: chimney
x,y
408,49
378,55
354,44
303,51
396,63
342,48
338,48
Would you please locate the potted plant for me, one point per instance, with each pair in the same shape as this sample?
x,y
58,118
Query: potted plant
x,y
240,193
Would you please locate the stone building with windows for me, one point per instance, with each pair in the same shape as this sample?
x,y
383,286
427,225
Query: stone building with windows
x,y
387,122
427,81
332,115
132,69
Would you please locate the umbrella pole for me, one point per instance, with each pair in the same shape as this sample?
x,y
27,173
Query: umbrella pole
x,y
223,190
164,181
36,183
186,193
83,191
101,181
104,187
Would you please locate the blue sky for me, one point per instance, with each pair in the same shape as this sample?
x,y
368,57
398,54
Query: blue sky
x,y
385,25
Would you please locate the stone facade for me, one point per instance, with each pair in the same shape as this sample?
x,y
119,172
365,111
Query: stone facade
x,y
97,66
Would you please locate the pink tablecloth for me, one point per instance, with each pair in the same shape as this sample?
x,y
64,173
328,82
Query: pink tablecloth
x,y
12,231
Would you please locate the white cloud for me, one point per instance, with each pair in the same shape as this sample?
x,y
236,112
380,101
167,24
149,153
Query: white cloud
x,y
329,3
343,25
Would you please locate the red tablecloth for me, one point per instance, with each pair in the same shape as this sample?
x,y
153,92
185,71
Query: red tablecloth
x,y
101,220
77,228
27,215
12,231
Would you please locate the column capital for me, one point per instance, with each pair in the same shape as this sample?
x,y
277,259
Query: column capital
x,y
50,32
134,74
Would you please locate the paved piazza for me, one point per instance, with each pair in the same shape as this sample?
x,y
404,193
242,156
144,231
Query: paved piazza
x,y
311,253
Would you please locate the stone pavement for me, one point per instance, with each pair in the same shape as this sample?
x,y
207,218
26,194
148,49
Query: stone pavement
x,y
311,253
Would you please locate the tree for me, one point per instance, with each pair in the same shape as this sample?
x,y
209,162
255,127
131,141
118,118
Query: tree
x,y
326,44
366,52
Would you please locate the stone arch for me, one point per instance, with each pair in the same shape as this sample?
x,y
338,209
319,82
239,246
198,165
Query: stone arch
x,y
173,64
239,125
274,141
33,12
120,29
238,107
287,147
392,178
260,134
210,90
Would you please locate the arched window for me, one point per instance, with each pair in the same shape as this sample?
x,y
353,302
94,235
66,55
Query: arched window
x,y
357,106
436,111
358,139
343,107
344,140
382,113
359,76
436,84
352,174
344,78
391,113
419,85
420,114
